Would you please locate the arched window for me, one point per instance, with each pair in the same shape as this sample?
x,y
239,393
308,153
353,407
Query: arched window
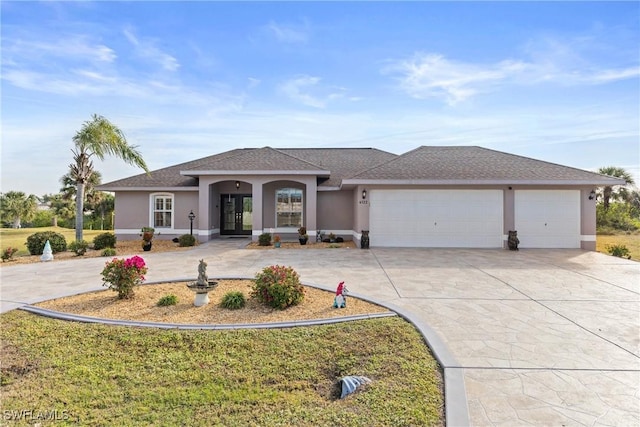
x,y
288,208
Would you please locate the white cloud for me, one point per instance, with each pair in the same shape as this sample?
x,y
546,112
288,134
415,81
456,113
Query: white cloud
x,y
288,34
70,47
147,49
432,75
550,61
308,91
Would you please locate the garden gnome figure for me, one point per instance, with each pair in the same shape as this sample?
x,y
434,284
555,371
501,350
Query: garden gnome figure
x,y
47,253
340,301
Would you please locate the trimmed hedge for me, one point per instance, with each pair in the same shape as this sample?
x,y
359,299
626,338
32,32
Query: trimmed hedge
x,y
35,242
186,240
104,240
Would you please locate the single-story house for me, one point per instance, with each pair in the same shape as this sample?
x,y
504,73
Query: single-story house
x,y
468,197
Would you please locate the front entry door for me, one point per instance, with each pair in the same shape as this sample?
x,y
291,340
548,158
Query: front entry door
x,y
237,211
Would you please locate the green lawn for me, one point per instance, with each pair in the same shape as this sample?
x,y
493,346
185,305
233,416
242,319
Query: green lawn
x,y
106,375
631,241
17,237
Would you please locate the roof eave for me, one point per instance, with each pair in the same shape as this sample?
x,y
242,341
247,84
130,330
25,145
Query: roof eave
x,y
139,188
594,182
196,173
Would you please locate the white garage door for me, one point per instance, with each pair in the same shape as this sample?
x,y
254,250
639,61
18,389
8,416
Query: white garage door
x,y
548,218
436,218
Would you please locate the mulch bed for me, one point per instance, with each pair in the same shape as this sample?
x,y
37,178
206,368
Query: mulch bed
x,y
317,304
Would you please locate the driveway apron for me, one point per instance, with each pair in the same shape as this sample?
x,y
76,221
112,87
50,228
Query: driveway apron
x,y
540,337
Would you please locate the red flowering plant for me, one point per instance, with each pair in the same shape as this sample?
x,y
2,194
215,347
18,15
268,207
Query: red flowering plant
x,y
278,286
7,254
121,275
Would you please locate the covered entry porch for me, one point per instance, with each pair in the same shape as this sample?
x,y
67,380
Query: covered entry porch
x,y
250,206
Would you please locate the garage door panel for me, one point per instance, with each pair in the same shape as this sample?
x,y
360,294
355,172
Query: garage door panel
x,y
548,218
436,218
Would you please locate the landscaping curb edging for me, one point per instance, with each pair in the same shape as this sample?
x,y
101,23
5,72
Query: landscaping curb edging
x,y
455,397
161,325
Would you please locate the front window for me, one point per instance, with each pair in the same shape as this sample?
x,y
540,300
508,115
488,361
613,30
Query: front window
x,y
162,211
288,208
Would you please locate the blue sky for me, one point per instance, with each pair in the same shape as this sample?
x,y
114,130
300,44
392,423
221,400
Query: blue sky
x,y
556,81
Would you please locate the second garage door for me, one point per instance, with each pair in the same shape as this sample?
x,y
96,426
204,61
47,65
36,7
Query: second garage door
x,y
548,218
436,218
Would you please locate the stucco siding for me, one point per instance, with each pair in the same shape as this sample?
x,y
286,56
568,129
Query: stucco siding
x,y
335,211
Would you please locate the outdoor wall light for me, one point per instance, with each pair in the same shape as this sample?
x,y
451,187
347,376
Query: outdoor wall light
x,y
592,195
237,185
192,216
364,194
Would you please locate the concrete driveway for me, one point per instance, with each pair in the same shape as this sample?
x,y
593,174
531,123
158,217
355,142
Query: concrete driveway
x,y
539,337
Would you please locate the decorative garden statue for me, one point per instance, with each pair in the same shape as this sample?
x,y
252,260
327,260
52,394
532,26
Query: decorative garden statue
x,y
202,286
203,280
513,240
340,301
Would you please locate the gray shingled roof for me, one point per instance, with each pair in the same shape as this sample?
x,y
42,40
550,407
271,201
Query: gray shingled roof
x,y
363,165
342,162
259,159
170,176
474,164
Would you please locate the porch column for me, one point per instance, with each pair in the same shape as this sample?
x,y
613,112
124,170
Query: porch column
x,y
256,217
312,206
203,211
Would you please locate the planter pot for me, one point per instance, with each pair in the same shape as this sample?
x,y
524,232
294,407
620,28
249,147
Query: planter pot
x,y
276,244
146,246
303,240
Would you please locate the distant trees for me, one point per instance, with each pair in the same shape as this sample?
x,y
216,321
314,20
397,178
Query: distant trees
x,y
617,192
619,208
16,207
98,137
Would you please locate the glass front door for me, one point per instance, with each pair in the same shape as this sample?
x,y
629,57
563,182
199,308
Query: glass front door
x,y
237,213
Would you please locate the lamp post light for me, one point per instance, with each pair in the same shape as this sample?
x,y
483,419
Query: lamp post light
x,y
192,216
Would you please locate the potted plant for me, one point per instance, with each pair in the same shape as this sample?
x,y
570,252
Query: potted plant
x,y
276,240
147,236
303,237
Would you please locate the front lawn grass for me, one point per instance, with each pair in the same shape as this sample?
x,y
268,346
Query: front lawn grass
x,y
105,375
17,237
631,241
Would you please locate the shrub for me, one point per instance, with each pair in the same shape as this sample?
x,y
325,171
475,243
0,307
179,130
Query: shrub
x,y
79,247
264,239
167,300
7,254
233,300
278,286
104,240
109,252
36,242
619,250
121,275
186,240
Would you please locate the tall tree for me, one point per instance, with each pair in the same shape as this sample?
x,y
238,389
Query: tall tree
x,y
17,206
98,137
63,208
617,192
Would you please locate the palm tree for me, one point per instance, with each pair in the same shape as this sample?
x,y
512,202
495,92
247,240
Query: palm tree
x,y
68,190
18,206
619,193
97,137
